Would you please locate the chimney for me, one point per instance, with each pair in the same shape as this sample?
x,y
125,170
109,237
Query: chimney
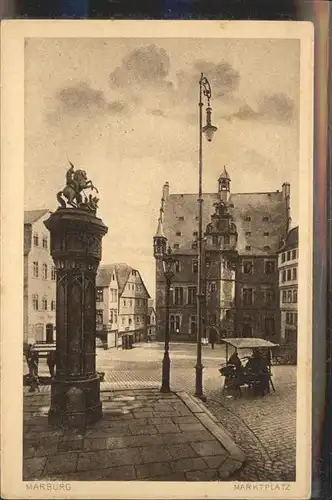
x,y
286,190
286,197
165,191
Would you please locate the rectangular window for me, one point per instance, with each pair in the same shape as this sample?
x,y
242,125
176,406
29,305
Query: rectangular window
x,y
213,287
248,233
248,247
289,275
177,266
247,296
137,319
44,304
195,266
248,218
111,316
226,240
124,303
214,240
99,295
247,267
269,326
45,271
52,305
269,296
288,255
266,234
294,254
295,296
283,276
45,242
115,316
283,257
194,246
123,321
289,296
53,273
178,296
35,240
192,291
176,246
35,270
175,323
35,303
178,233
294,274
284,297
269,266
99,317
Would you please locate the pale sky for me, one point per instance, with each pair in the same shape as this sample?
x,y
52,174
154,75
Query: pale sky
x,y
126,111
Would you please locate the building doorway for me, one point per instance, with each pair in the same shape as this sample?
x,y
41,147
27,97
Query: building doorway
x,y
49,333
39,332
246,330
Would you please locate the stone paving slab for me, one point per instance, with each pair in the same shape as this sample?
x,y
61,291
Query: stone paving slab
x,y
144,435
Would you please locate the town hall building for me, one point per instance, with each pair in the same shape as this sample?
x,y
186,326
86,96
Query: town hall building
x,y
242,235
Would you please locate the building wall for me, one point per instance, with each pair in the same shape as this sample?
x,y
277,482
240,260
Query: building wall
x,y
133,308
288,285
107,309
183,302
43,286
261,318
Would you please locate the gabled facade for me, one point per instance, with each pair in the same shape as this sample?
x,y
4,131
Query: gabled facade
x,y
39,279
288,286
133,302
107,305
122,303
242,234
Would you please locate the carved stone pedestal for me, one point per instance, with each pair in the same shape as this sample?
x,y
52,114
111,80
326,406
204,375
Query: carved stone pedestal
x,y
76,236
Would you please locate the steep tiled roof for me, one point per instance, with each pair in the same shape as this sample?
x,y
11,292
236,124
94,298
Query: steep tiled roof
x,y
31,216
181,220
122,272
104,275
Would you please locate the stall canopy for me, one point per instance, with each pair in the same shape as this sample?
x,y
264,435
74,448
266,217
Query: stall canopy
x,y
249,343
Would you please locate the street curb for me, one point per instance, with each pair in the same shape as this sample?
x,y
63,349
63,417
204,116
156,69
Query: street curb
x,y
212,424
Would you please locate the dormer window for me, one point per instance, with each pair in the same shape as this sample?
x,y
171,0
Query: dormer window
x,y
265,219
176,245
181,218
194,246
248,247
231,205
266,248
248,218
266,234
195,233
178,233
248,233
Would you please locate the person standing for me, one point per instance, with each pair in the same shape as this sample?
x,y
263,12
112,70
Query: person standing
x,y
213,335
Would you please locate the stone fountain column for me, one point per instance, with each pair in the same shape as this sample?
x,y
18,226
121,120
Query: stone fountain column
x,y
76,235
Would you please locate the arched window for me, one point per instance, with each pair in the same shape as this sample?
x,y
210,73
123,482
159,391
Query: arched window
x,y
35,304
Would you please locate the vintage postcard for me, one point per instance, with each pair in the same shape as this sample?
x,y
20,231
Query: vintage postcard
x,y
156,215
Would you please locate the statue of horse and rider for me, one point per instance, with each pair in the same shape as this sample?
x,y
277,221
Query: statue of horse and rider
x,y
76,182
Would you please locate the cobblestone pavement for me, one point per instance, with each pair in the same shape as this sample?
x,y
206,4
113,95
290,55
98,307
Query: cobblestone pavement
x,y
144,435
264,428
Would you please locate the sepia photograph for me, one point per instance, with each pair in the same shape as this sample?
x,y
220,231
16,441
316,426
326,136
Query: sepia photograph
x,y
166,257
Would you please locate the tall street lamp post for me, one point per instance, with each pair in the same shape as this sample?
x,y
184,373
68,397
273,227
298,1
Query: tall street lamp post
x,y
168,262
208,130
